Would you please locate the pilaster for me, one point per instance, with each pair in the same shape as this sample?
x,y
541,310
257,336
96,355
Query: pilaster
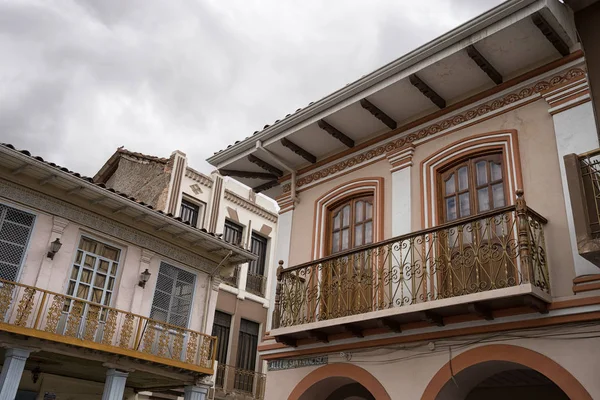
x,y
401,169
114,387
197,392
12,370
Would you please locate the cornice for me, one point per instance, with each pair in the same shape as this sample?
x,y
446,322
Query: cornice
x,y
102,224
457,119
198,177
258,210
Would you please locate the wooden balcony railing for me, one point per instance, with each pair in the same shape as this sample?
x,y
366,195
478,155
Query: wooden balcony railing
x,y
53,316
489,251
230,379
255,283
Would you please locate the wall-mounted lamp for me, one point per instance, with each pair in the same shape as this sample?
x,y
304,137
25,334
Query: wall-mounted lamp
x,y
54,248
144,277
35,374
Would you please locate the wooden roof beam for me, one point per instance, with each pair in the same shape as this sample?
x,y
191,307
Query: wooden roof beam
x,y
298,150
265,165
484,64
247,174
265,186
481,311
377,113
427,91
335,133
553,37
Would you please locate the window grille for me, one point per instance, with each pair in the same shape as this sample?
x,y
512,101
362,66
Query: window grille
x,y
232,233
221,329
246,355
172,301
15,231
258,247
190,212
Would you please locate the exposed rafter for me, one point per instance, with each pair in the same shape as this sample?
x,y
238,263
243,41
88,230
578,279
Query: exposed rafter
x,y
318,335
288,341
48,179
76,189
390,324
432,318
265,186
481,311
264,165
19,170
299,150
537,304
377,113
548,31
354,329
247,174
335,133
484,64
427,91
98,200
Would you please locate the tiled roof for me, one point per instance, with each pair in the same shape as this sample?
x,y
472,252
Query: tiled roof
x,y
89,180
123,150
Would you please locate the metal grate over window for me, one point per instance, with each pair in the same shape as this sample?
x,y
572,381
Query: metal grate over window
x,y
15,230
232,233
172,301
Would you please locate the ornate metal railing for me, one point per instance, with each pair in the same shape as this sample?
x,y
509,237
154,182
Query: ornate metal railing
x,y
256,283
590,176
230,379
233,279
490,251
53,316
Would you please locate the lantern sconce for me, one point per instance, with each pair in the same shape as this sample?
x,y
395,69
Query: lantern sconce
x,y
54,248
144,277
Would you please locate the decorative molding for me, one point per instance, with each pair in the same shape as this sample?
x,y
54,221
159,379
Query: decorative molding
x,y
438,127
102,224
146,256
198,177
401,159
59,225
286,203
283,364
567,95
246,204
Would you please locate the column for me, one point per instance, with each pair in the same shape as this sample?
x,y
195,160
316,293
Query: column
x,y
575,131
282,251
114,387
199,392
401,169
10,378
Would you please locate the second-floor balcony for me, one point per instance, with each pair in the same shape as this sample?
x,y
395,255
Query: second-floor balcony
x,y
243,383
476,265
36,313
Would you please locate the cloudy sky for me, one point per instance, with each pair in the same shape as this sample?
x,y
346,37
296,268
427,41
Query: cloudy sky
x,y
80,78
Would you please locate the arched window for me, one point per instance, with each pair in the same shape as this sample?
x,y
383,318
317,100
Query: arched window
x,y
472,186
350,224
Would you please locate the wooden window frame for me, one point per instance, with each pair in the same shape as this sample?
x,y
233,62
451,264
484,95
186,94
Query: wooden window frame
x,y
337,207
234,226
200,207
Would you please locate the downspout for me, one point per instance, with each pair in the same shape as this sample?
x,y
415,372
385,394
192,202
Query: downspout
x,y
208,296
283,164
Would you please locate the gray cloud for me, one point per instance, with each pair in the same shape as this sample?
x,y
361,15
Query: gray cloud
x,y
80,78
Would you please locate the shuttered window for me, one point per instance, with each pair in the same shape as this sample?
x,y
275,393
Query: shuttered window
x,y
15,231
221,329
232,233
246,354
173,295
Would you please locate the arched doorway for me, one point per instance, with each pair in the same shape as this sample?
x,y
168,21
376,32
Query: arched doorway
x,y
500,372
339,382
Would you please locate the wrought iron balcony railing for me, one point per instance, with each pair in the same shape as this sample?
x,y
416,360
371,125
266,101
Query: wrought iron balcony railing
x,y
233,279
52,316
589,163
230,379
255,283
489,251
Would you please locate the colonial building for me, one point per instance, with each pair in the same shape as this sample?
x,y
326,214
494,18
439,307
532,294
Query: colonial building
x,y
438,229
102,295
240,217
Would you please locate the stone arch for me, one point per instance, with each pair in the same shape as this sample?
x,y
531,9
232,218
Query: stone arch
x,y
507,353
350,371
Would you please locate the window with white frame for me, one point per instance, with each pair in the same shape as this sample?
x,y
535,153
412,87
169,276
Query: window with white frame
x,y
173,295
94,271
15,231
192,212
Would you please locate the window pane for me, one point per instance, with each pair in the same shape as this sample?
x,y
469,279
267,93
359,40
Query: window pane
x,y
496,171
82,291
358,235
358,216
463,178
336,221
481,169
465,206
345,239
369,232
103,267
75,272
88,245
450,208
483,199
97,295
71,288
335,242
369,211
450,187
100,281
346,216
111,253
89,261
107,298
79,255
111,283
86,275
498,194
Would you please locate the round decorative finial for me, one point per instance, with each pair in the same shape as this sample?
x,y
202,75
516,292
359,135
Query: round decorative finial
x,y
281,262
519,192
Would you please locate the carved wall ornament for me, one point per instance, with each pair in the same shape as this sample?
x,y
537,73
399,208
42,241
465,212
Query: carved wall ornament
x,y
198,177
246,204
438,127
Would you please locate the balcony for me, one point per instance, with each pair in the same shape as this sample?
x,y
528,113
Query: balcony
x,y
255,283
478,265
244,383
583,179
41,314
233,279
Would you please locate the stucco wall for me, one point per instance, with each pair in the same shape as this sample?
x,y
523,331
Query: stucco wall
x,y
586,22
